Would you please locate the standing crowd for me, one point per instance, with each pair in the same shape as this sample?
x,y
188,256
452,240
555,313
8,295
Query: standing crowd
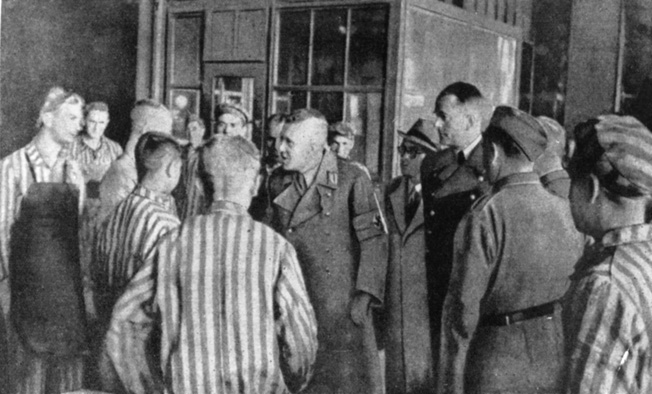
x,y
508,256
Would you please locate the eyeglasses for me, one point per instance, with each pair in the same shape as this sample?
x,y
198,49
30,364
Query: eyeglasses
x,y
412,151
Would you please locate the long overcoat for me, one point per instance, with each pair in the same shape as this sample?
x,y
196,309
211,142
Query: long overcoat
x,y
450,187
342,248
406,318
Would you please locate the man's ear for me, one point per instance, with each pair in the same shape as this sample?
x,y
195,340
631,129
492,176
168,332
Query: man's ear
x,y
496,152
47,119
258,180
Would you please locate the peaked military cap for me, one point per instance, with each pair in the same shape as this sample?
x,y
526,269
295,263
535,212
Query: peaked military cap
x,y
234,110
522,128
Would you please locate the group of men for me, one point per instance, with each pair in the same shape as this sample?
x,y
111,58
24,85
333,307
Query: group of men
x,y
201,267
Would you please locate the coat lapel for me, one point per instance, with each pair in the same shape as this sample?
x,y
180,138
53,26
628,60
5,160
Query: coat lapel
x,y
397,199
318,197
417,221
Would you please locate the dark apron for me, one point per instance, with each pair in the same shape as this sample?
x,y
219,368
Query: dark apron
x,y
47,308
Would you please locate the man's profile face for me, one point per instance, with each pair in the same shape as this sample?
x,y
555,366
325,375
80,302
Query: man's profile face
x,y
342,146
231,125
96,122
452,123
296,147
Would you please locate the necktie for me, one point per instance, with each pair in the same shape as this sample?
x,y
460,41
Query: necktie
x,y
461,158
412,205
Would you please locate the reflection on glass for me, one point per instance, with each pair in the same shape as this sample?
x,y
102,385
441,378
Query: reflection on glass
x,y
329,46
286,101
368,46
364,112
294,43
328,103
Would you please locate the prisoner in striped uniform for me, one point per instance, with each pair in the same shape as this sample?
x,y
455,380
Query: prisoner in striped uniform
x,y
233,307
95,153
45,159
139,221
607,314
122,177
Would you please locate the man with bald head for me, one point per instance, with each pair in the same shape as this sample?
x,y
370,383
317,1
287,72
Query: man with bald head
x,y
122,177
325,207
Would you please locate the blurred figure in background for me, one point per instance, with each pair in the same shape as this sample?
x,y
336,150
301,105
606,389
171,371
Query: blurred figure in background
x,y
341,139
233,120
606,315
122,177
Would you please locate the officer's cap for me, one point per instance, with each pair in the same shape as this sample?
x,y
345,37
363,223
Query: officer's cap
x,y
423,133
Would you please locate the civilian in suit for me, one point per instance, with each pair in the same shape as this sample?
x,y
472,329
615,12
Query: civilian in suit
x,y
406,321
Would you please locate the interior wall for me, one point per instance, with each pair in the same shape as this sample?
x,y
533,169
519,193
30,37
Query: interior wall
x,y
86,46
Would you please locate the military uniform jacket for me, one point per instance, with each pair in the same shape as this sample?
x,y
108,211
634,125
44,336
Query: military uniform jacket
x,y
336,230
514,250
449,190
406,321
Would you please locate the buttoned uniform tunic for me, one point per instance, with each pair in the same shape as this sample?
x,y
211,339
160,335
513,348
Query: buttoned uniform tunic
x,y
557,182
514,250
130,234
607,315
31,373
337,232
450,187
229,296
406,320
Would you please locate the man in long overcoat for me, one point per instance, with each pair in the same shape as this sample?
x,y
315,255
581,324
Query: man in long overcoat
x,y
326,208
453,179
406,318
514,252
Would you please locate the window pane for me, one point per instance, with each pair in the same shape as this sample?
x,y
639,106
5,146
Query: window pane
x,y
328,103
233,84
294,38
368,46
364,112
329,46
185,51
286,102
525,93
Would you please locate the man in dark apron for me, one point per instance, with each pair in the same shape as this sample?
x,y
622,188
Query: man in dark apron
x,y
40,283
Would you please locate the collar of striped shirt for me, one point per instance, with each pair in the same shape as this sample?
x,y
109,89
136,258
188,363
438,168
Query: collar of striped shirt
x,y
629,234
163,199
230,206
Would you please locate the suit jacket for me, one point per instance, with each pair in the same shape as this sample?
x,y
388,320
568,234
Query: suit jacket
x,y
406,328
514,250
336,229
449,190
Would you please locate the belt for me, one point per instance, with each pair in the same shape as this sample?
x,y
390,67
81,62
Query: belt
x,y
506,319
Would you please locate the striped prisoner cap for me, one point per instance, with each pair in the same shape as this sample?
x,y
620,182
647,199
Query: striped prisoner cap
x,y
619,150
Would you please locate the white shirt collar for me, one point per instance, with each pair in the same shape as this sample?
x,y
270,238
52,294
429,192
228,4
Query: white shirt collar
x,y
471,146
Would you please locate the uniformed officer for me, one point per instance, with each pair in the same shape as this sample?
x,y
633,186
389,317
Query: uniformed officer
x,y
341,139
325,207
452,180
514,251
549,164
233,120
406,328
606,318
